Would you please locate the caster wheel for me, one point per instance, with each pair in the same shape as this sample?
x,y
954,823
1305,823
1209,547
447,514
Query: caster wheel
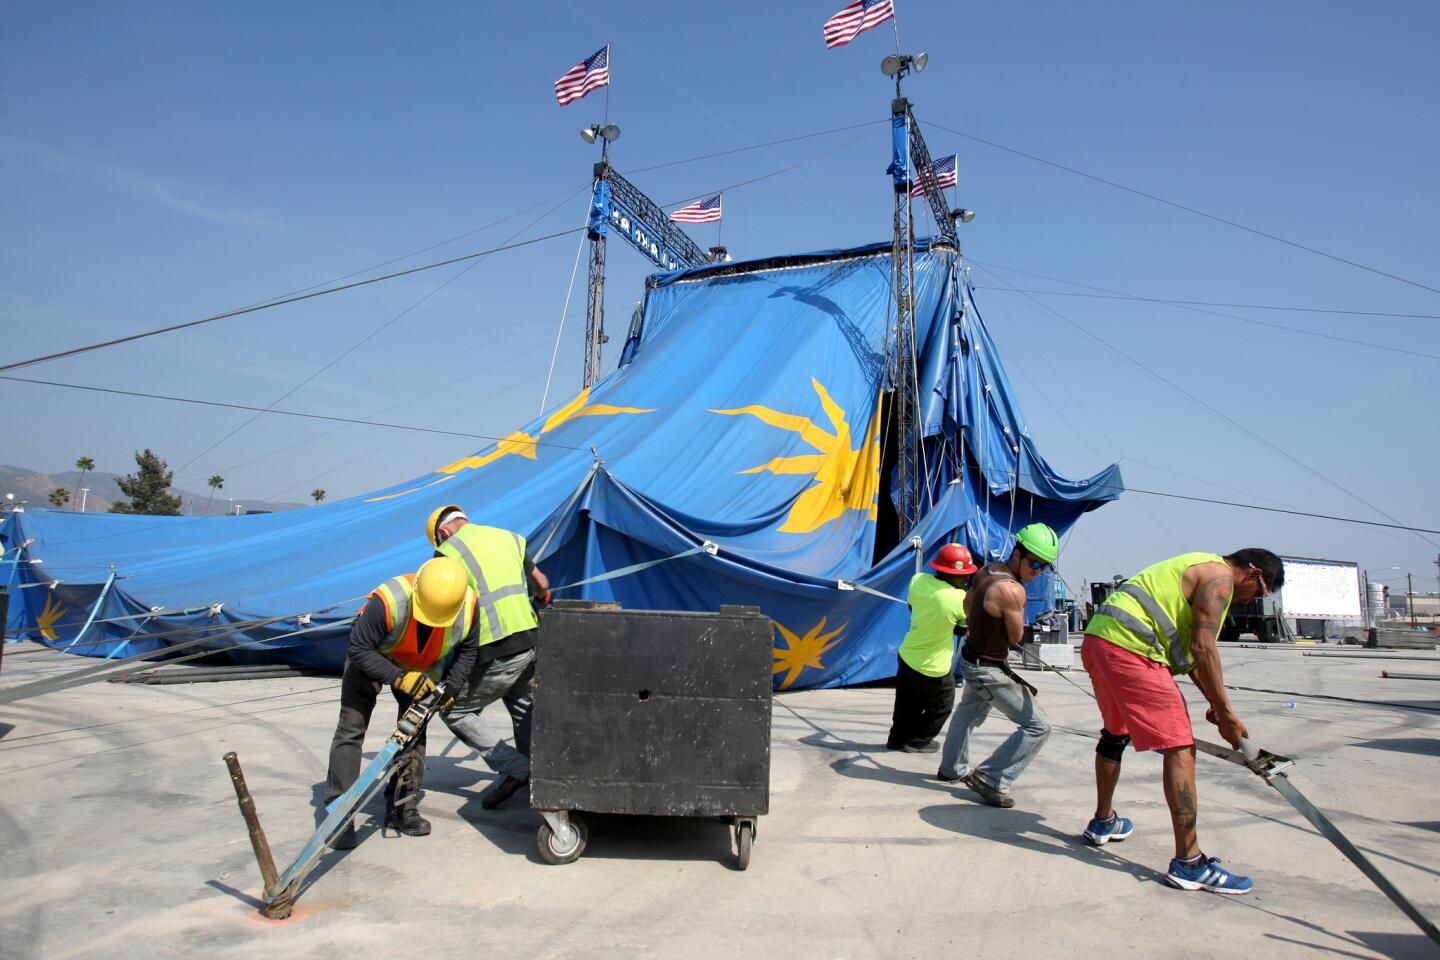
x,y
551,851
744,843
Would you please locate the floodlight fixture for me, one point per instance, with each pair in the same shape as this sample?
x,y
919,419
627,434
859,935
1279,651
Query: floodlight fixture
x,y
607,132
962,215
898,64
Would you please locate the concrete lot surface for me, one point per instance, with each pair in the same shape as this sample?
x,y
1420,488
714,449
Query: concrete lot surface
x,y
120,836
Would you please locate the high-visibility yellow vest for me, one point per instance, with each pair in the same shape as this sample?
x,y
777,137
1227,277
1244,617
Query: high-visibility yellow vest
x,y
495,560
402,642
1148,613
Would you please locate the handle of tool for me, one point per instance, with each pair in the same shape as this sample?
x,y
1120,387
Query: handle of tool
x,y
1249,750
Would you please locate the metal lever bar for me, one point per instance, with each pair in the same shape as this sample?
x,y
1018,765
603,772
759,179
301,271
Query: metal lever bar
x,y
1271,768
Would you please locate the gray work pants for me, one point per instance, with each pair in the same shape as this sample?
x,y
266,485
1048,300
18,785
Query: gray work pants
x,y
358,694
511,679
987,688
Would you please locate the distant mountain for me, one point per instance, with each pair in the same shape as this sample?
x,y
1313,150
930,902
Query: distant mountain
x,y
28,485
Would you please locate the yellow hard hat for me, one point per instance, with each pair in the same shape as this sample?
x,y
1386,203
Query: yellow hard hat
x,y
432,522
440,590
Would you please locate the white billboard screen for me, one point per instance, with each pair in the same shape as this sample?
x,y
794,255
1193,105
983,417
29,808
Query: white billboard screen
x,y
1320,589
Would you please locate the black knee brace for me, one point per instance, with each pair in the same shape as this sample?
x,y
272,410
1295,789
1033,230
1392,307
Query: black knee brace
x,y
1110,746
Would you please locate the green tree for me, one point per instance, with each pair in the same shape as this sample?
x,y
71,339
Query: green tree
x,y
147,488
216,482
318,494
84,465
59,497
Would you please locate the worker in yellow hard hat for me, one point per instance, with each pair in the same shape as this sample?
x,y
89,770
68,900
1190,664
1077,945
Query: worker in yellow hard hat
x,y
506,581
413,630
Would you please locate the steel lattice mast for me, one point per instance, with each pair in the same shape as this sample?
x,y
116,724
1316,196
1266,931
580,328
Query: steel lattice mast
x,y
617,204
908,151
901,359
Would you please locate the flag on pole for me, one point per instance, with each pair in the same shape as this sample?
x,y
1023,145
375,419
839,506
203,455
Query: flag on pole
x,y
592,73
856,18
701,211
944,171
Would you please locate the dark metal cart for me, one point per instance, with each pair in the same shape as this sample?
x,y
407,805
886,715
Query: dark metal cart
x,y
650,712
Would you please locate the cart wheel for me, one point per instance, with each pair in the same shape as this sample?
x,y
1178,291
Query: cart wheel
x,y
552,852
744,843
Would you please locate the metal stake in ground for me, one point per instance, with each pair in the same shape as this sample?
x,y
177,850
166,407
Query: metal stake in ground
x,y
258,841
280,892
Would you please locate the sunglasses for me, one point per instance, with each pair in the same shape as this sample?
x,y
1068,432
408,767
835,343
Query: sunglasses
x,y
1037,565
1264,587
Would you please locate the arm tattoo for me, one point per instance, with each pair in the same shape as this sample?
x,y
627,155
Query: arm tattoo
x,y
1210,599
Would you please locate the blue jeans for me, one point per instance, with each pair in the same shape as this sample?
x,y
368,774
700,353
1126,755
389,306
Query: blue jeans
x,y
987,687
511,680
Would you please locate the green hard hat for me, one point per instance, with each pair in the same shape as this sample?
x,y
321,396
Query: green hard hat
x,y
1039,541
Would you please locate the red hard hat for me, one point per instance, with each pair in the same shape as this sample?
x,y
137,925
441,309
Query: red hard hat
x,y
954,559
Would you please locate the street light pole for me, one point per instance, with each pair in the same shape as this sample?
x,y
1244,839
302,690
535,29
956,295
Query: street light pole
x,y
1410,597
1365,600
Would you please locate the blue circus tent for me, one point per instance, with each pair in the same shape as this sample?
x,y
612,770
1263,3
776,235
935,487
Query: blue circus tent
x,y
746,430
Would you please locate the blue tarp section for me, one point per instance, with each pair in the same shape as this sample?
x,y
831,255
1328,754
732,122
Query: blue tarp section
x,y
748,411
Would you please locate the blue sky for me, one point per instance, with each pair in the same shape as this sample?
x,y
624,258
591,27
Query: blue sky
x,y
166,161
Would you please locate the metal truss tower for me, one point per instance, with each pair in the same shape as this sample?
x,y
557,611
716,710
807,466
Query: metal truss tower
x,y
908,152
617,204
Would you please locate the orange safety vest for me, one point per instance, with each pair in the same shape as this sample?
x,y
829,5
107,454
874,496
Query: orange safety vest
x,y
402,643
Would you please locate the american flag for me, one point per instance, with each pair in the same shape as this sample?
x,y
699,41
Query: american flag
x,y
855,18
592,73
701,211
944,170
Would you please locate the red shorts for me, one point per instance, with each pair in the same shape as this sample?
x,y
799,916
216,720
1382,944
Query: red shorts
x,y
1137,696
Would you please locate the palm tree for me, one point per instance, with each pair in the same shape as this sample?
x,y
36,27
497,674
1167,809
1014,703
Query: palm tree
x,y
216,482
84,465
318,494
59,497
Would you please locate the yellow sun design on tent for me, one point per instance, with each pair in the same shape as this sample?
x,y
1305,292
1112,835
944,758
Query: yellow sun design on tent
x,y
53,611
845,478
521,443
803,651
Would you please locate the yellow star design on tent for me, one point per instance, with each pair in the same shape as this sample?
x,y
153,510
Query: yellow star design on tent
x,y
845,478
52,612
803,651
520,443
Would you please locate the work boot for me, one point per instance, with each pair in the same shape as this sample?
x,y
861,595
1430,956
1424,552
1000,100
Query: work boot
x,y
345,839
996,798
407,820
929,746
500,791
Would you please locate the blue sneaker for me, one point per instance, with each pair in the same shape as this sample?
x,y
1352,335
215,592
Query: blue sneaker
x,y
1206,875
1101,832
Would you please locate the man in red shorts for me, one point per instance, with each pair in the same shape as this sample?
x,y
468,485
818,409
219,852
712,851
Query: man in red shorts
x,y
1161,622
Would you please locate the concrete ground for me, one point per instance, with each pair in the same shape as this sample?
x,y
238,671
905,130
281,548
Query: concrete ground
x,y
120,836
